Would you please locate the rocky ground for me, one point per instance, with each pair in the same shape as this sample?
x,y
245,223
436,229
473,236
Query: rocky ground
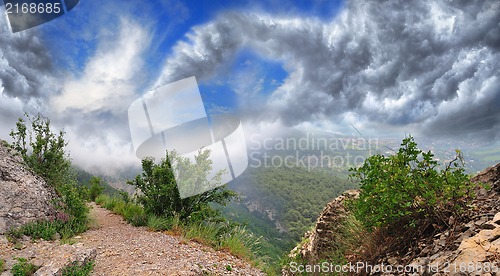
x,y
121,249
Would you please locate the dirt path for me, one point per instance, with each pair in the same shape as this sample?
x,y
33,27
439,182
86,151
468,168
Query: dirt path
x,y
126,250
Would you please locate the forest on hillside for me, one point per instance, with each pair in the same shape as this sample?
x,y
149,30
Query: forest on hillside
x,y
283,203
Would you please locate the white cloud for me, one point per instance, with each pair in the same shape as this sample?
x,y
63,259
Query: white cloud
x,y
92,107
108,80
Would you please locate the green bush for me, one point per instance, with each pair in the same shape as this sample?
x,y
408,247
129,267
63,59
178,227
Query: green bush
x,y
42,150
76,269
161,197
2,265
101,199
408,189
41,229
96,188
23,268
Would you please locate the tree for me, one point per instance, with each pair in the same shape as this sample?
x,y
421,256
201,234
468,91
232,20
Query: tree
x,y
159,193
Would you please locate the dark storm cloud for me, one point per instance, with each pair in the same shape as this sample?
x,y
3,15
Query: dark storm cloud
x,y
428,63
25,66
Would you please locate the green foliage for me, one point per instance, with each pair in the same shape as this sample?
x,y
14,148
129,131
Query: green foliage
x,y
83,179
76,269
294,196
71,203
130,211
101,199
64,225
161,197
43,151
23,268
157,223
408,189
96,188
2,265
41,229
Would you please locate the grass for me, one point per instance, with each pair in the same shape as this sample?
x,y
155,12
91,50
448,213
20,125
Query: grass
x,y
76,269
157,223
23,268
133,213
48,230
2,265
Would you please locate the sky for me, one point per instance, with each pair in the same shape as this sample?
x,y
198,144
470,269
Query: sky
x,y
430,68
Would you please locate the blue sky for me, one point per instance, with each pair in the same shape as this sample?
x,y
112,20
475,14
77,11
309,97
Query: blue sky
x,y
429,68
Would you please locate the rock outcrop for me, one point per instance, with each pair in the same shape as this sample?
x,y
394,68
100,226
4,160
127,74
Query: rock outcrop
x,y
24,196
321,239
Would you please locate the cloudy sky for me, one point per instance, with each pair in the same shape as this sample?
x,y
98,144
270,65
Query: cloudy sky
x,y
387,67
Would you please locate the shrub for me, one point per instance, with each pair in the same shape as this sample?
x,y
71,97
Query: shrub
x,y
408,189
42,150
23,268
96,188
41,229
161,197
101,199
76,269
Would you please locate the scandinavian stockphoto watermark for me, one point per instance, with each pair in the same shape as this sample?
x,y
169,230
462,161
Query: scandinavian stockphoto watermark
x,y
310,151
173,117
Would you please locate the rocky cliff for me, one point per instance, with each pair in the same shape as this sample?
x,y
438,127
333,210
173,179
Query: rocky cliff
x,y
24,196
473,246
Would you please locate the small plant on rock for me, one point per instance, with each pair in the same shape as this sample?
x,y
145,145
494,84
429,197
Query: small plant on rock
x,y
76,269
23,268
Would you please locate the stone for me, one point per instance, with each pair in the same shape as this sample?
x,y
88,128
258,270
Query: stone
x,y
78,255
491,175
321,239
24,196
496,219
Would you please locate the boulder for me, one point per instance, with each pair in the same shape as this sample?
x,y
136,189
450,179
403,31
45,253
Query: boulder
x,y
24,196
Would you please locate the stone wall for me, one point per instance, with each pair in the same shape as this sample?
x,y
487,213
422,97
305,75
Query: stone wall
x,y
24,196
